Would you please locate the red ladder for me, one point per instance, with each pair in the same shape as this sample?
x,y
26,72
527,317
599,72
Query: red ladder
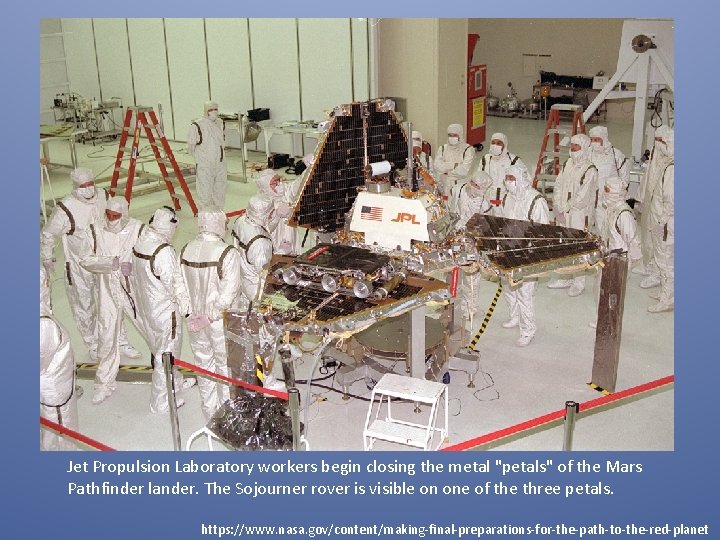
x,y
557,129
153,133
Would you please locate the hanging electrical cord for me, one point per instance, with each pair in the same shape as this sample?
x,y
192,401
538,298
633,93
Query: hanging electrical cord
x,y
338,391
657,106
101,148
311,349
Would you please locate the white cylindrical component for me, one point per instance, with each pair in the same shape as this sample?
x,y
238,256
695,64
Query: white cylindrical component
x,y
290,276
329,283
362,289
381,167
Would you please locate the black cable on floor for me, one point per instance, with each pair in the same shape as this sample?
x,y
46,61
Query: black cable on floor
x,y
326,377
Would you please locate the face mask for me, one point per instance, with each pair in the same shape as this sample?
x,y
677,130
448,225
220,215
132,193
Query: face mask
x,y
212,115
661,146
495,149
280,189
114,226
86,193
577,155
511,186
596,146
453,140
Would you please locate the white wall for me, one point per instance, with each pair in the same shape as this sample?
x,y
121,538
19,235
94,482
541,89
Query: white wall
x,y
452,75
187,64
402,75
228,48
113,56
149,67
333,37
361,59
424,61
79,44
276,76
297,68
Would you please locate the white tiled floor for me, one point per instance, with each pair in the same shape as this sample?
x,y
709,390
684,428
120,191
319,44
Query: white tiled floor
x,y
516,384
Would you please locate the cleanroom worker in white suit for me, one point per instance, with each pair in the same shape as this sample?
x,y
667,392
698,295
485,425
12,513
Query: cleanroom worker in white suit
x,y
206,144
525,203
58,401
162,301
211,269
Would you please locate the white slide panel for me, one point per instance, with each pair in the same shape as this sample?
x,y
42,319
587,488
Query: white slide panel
x,y
113,60
149,65
325,66
229,64
188,72
80,57
275,73
360,59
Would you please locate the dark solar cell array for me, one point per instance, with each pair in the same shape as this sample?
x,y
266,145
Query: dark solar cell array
x,y
332,186
511,243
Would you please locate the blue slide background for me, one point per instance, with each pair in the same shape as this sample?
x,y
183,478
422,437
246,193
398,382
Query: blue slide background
x,y
675,487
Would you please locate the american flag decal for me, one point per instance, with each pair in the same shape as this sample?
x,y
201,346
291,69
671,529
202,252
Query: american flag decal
x,y
372,213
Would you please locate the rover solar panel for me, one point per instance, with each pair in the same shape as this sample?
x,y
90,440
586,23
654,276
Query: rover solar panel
x,y
342,288
331,185
517,248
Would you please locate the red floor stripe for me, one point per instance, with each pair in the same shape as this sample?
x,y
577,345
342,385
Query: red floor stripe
x,y
550,417
627,393
235,213
75,435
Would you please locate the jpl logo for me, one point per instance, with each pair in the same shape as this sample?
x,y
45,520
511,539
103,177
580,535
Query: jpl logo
x,y
402,216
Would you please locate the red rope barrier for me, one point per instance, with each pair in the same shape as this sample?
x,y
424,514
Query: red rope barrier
x,y
627,393
197,369
75,435
235,213
557,415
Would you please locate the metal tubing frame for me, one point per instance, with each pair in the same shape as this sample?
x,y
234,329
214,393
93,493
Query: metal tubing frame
x,y
168,362
410,162
243,156
294,405
417,348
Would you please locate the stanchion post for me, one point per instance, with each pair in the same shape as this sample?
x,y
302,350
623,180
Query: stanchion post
x,y
571,409
287,366
168,363
294,395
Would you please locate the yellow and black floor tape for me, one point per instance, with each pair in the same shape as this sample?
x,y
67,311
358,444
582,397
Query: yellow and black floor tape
x,y
138,368
259,370
599,389
126,373
488,316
